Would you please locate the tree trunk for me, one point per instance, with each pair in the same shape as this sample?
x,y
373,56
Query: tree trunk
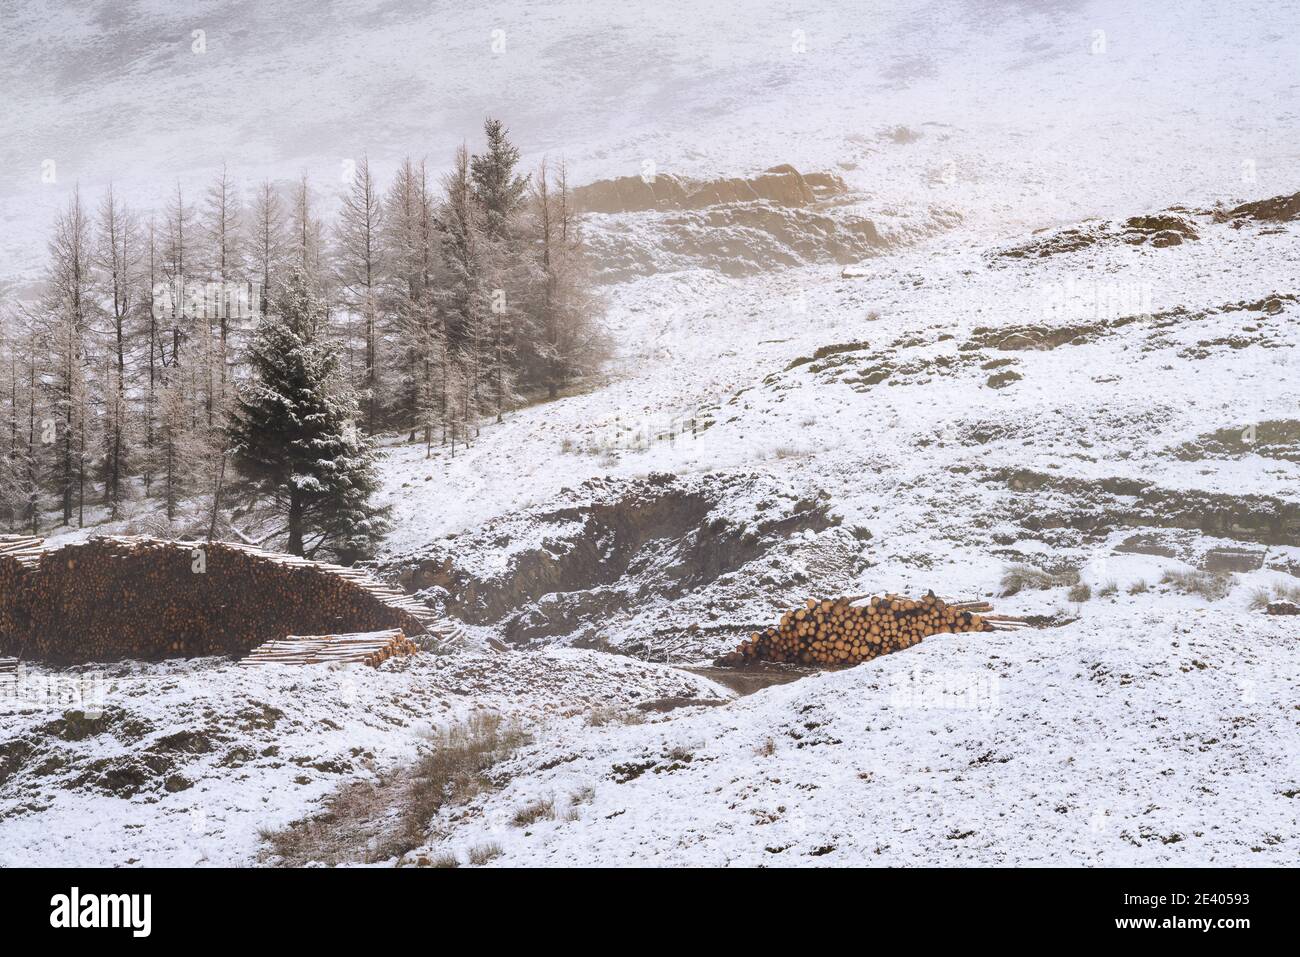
x,y
295,523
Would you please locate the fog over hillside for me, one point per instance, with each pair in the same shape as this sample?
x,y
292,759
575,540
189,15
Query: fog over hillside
x,y
1102,104
799,434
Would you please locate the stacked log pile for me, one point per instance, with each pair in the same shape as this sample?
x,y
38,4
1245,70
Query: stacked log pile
x,y
122,597
8,677
368,648
848,630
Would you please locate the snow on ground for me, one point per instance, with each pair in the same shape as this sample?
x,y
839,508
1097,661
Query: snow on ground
x,y
708,348
1152,727
1015,112
185,763
1157,728
1146,734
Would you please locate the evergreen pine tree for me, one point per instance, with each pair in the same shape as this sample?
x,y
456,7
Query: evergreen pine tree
x,y
497,188
500,194
462,297
295,432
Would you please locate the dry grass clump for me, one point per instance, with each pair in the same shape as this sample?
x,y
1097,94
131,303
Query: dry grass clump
x,y
1080,593
369,821
1110,587
1261,598
531,813
1020,577
480,855
602,716
454,770
1139,587
1208,586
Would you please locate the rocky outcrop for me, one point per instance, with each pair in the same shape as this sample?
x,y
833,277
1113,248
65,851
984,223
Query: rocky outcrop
x,y
1278,209
608,548
1159,230
737,239
783,185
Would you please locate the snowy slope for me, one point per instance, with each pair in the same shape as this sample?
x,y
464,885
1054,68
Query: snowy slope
x,y
187,763
1138,737
949,408
1014,111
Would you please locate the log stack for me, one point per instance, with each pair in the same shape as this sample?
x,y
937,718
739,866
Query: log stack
x,y
369,648
8,678
127,597
852,629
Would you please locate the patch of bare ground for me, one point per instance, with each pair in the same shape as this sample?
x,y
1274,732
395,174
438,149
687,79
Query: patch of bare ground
x,y
1045,502
575,558
365,822
1273,438
1278,209
1045,336
751,677
1158,230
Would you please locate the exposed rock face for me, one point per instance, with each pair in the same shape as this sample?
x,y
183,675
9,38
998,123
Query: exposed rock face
x,y
736,239
1171,227
613,547
629,194
1159,230
1054,502
778,218
1278,209
780,184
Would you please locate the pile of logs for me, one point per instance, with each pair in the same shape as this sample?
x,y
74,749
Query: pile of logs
x,y
848,630
124,597
371,648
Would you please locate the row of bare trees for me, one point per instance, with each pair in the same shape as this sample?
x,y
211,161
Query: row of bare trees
x,y
452,299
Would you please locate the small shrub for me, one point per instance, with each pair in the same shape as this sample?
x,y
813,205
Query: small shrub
x,y
1081,592
1138,587
366,822
766,749
1210,587
536,811
1018,577
480,855
1261,598
600,717
1109,588
445,860
584,795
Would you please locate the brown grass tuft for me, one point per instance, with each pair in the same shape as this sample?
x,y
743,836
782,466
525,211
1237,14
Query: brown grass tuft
x,y
370,821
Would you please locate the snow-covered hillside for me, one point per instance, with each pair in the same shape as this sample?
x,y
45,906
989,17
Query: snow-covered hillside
x,y
184,764
1013,111
1143,735
1065,345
